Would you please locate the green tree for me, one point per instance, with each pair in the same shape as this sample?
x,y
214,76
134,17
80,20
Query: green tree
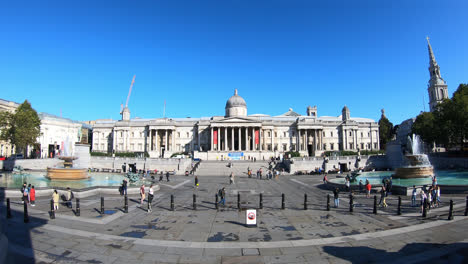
x,y
21,128
385,131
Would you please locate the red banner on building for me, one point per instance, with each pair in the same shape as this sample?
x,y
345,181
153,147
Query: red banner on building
x,y
215,137
257,137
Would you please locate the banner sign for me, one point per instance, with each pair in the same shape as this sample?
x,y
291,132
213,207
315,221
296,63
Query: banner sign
x,y
251,217
215,137
235,155
257,137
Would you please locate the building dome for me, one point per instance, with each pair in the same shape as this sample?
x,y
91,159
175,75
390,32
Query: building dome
x,y
236,106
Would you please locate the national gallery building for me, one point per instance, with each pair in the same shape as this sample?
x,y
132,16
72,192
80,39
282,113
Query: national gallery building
x,y
237,135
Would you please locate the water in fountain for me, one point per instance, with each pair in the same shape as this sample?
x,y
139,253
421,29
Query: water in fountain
x,y
67,172
417,164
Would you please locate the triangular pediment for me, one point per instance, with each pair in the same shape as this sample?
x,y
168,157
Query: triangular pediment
x,y
237,120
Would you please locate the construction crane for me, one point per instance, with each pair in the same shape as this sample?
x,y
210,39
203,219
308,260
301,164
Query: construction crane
x,y
128,97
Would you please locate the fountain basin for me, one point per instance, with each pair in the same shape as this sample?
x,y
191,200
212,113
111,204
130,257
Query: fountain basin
x,y
414,172
67,174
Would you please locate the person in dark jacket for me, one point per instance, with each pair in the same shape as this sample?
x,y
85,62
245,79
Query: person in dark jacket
x,y
336,194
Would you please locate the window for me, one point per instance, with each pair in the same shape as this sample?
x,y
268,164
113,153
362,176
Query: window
x,y
133,134
284,134
362,145
368,146
332,146
368,134
323,134
178,134
350,133
325,146
362,134
375,145
96,146
269,134
331,134
132,146
293,134
188,135
121,134
350,145
140,146
269,146
276,134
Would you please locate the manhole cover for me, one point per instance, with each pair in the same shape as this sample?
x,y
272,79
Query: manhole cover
x,y
250,252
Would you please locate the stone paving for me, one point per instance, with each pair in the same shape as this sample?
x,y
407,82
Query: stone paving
x,y
207,235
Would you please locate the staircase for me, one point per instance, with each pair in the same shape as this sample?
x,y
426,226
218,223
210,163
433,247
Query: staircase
x,y
221,168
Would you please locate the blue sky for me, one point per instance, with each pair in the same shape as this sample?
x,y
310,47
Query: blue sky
x,y
78,57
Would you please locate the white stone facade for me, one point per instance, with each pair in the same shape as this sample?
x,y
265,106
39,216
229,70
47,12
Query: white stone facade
x,y
236,135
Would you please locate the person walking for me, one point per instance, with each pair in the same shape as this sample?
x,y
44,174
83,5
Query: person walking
x,y
231,178
142,194
167,175
24,193
347,184
196,182
361,186
161,176
55,199
124,186
438,195
69,197
368,188
382,197
336,196
222,195
423,199
150,198
413,196
325,179
32,196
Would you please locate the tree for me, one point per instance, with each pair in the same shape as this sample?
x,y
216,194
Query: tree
x,y
448,123
21,128
385,131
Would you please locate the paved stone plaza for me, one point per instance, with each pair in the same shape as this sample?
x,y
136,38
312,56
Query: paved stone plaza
x,y
207,235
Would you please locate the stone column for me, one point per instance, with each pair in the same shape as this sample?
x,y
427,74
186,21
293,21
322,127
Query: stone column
x,y
173,140
198,138
253,138
272,143
306,148
150,139
247,147
370,132
232,139
156,140
240,138
167,141
212,139
260,141
225,148
114,142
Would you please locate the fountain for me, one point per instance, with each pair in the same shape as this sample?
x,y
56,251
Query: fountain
x,y
67,172
417,164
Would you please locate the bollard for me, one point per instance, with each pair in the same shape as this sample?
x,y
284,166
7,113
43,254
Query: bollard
x,y
424,213
216,202
26,217
282,201
52,211
450,217
194,202
466,208
8,209
238,202
172,202
328,202
102,205
261,201
77,207
399,206
351,203
375,204
126,204
305,201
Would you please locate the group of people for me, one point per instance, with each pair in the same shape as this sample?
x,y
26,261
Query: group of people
x,y
429,198
28,194
150,196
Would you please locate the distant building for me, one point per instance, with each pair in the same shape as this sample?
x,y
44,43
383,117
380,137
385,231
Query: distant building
x,y
437,87
237,135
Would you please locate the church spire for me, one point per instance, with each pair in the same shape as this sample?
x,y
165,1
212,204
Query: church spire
x,y
432,59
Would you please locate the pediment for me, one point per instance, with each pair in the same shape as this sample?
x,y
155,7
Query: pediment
x,y
236,120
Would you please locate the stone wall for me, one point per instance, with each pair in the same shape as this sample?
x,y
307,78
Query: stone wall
x,y
378,162
215,155
444,163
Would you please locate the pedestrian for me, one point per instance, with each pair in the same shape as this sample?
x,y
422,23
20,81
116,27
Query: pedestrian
x,y
55,199
124,167
382,197
196,181
347,184
24,190
32,196
438,195
142,194
325,179
413,196
361,186
429,198
261,172
231,178
390,185
124,186
336,194
29,191
150,198
222,195
167,175
69,197
368,188
276,174
423,199
161,176
258,174
249,172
